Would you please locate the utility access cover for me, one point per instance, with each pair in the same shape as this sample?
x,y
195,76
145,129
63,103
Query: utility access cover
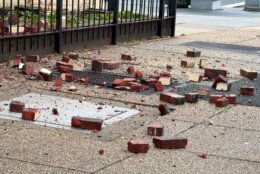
x,y
67,108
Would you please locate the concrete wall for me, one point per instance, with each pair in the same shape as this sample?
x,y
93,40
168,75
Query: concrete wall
x,y
35,2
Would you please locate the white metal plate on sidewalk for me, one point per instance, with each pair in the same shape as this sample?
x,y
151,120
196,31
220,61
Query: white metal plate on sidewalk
x,y
67,108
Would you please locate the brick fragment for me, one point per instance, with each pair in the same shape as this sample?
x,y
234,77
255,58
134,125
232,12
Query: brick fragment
x,y
219,79
247,90
223,87
214,97
119,82
214,73
128,80
138,74
87,123
158,86
138,146
127,57
165,74
169,67
193,53
30,114
57,84
137,88
46,74
164,109
60,63
65,59
172,98
110,65
248,74
166,81
27,69
67,77
17,106
73,55
32,58
203,92
97,65
231,98
63,69
195,78
222,102
131,70
192,97
155,129
187,64
203,63
149,81
170,142
16,61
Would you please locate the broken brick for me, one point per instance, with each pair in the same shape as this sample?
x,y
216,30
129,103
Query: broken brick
x,y
72,55
27,69
17,106
222,102
46,74
155,129
138,146
192,97
16,61
246,90
97,65
166,81
119,82
165,74
127,57
193,53
138,74
63,69
60,63
30,114
128,80
214,73
195,78
87,123
187,64
203,63
231,98
248,74
169,67
67,77
223,87
65,59
149,81
164,109
219,79
203,92
170,142
172,98
110,65
158,86
214,97
137,88
32,58
57,84
131,70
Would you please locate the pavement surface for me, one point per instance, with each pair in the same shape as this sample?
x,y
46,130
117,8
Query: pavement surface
x,y
227,138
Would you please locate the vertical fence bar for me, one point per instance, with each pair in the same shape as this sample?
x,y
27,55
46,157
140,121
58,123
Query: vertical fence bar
x,y
58,35
173,6
161,17
115,9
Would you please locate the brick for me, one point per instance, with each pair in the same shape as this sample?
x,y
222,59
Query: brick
x,y
16,61
203,63
63,69
231,98
164,109
170,142
158,87
32,58
166,81
214,73
97,65
27,69
149,82
127,57
222,102
73,55
214,97
87,123
72,89
46,74
17,106
246,90
119,82
195,78
203,92
65,59
192,97
138,74
67,77
57,84
165,74
138,146
60,63
172,98
131,70
155,129
128,80
187,64
110,65
137,88
30,114
169,67
223,87
219,79
77,66
248,74
121,88
193,53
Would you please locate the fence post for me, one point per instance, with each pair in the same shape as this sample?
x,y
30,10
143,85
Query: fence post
x,y
161,17
58,35
173,7
115,9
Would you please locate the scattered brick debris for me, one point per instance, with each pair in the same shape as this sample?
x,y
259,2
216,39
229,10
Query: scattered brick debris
x,y
187,64
203,156
193,53
192,97
32,58
131,70
164,109
155,129
222,102
203,63
214,73
127,57
30,114
138,146
17,106
172,98
166,142
248,74
87,123
247,90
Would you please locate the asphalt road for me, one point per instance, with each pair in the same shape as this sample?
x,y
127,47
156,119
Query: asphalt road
x,y
228,2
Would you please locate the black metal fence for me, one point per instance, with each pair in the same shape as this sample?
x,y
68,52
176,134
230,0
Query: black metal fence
x,y
44,26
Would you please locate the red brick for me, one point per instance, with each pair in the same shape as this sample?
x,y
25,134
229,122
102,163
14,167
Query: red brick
x,y
17,106
246,90
164,109
32,58
69,78
129,80
119,82
63,69
27,69
193,53
248,74
131,70
166,81
231,98
87,123
203,92
192,97
165,74
138,74
203,63
46,74
127,57
170,142
30,114
187,64
121,88
219,79
16,61
149,82
214,97
110,65
137,88
223,87
65,59
172,98
214,73
222,102
57,84
97,65
158,86
60,63
72,55
138,146
169,67
155,129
